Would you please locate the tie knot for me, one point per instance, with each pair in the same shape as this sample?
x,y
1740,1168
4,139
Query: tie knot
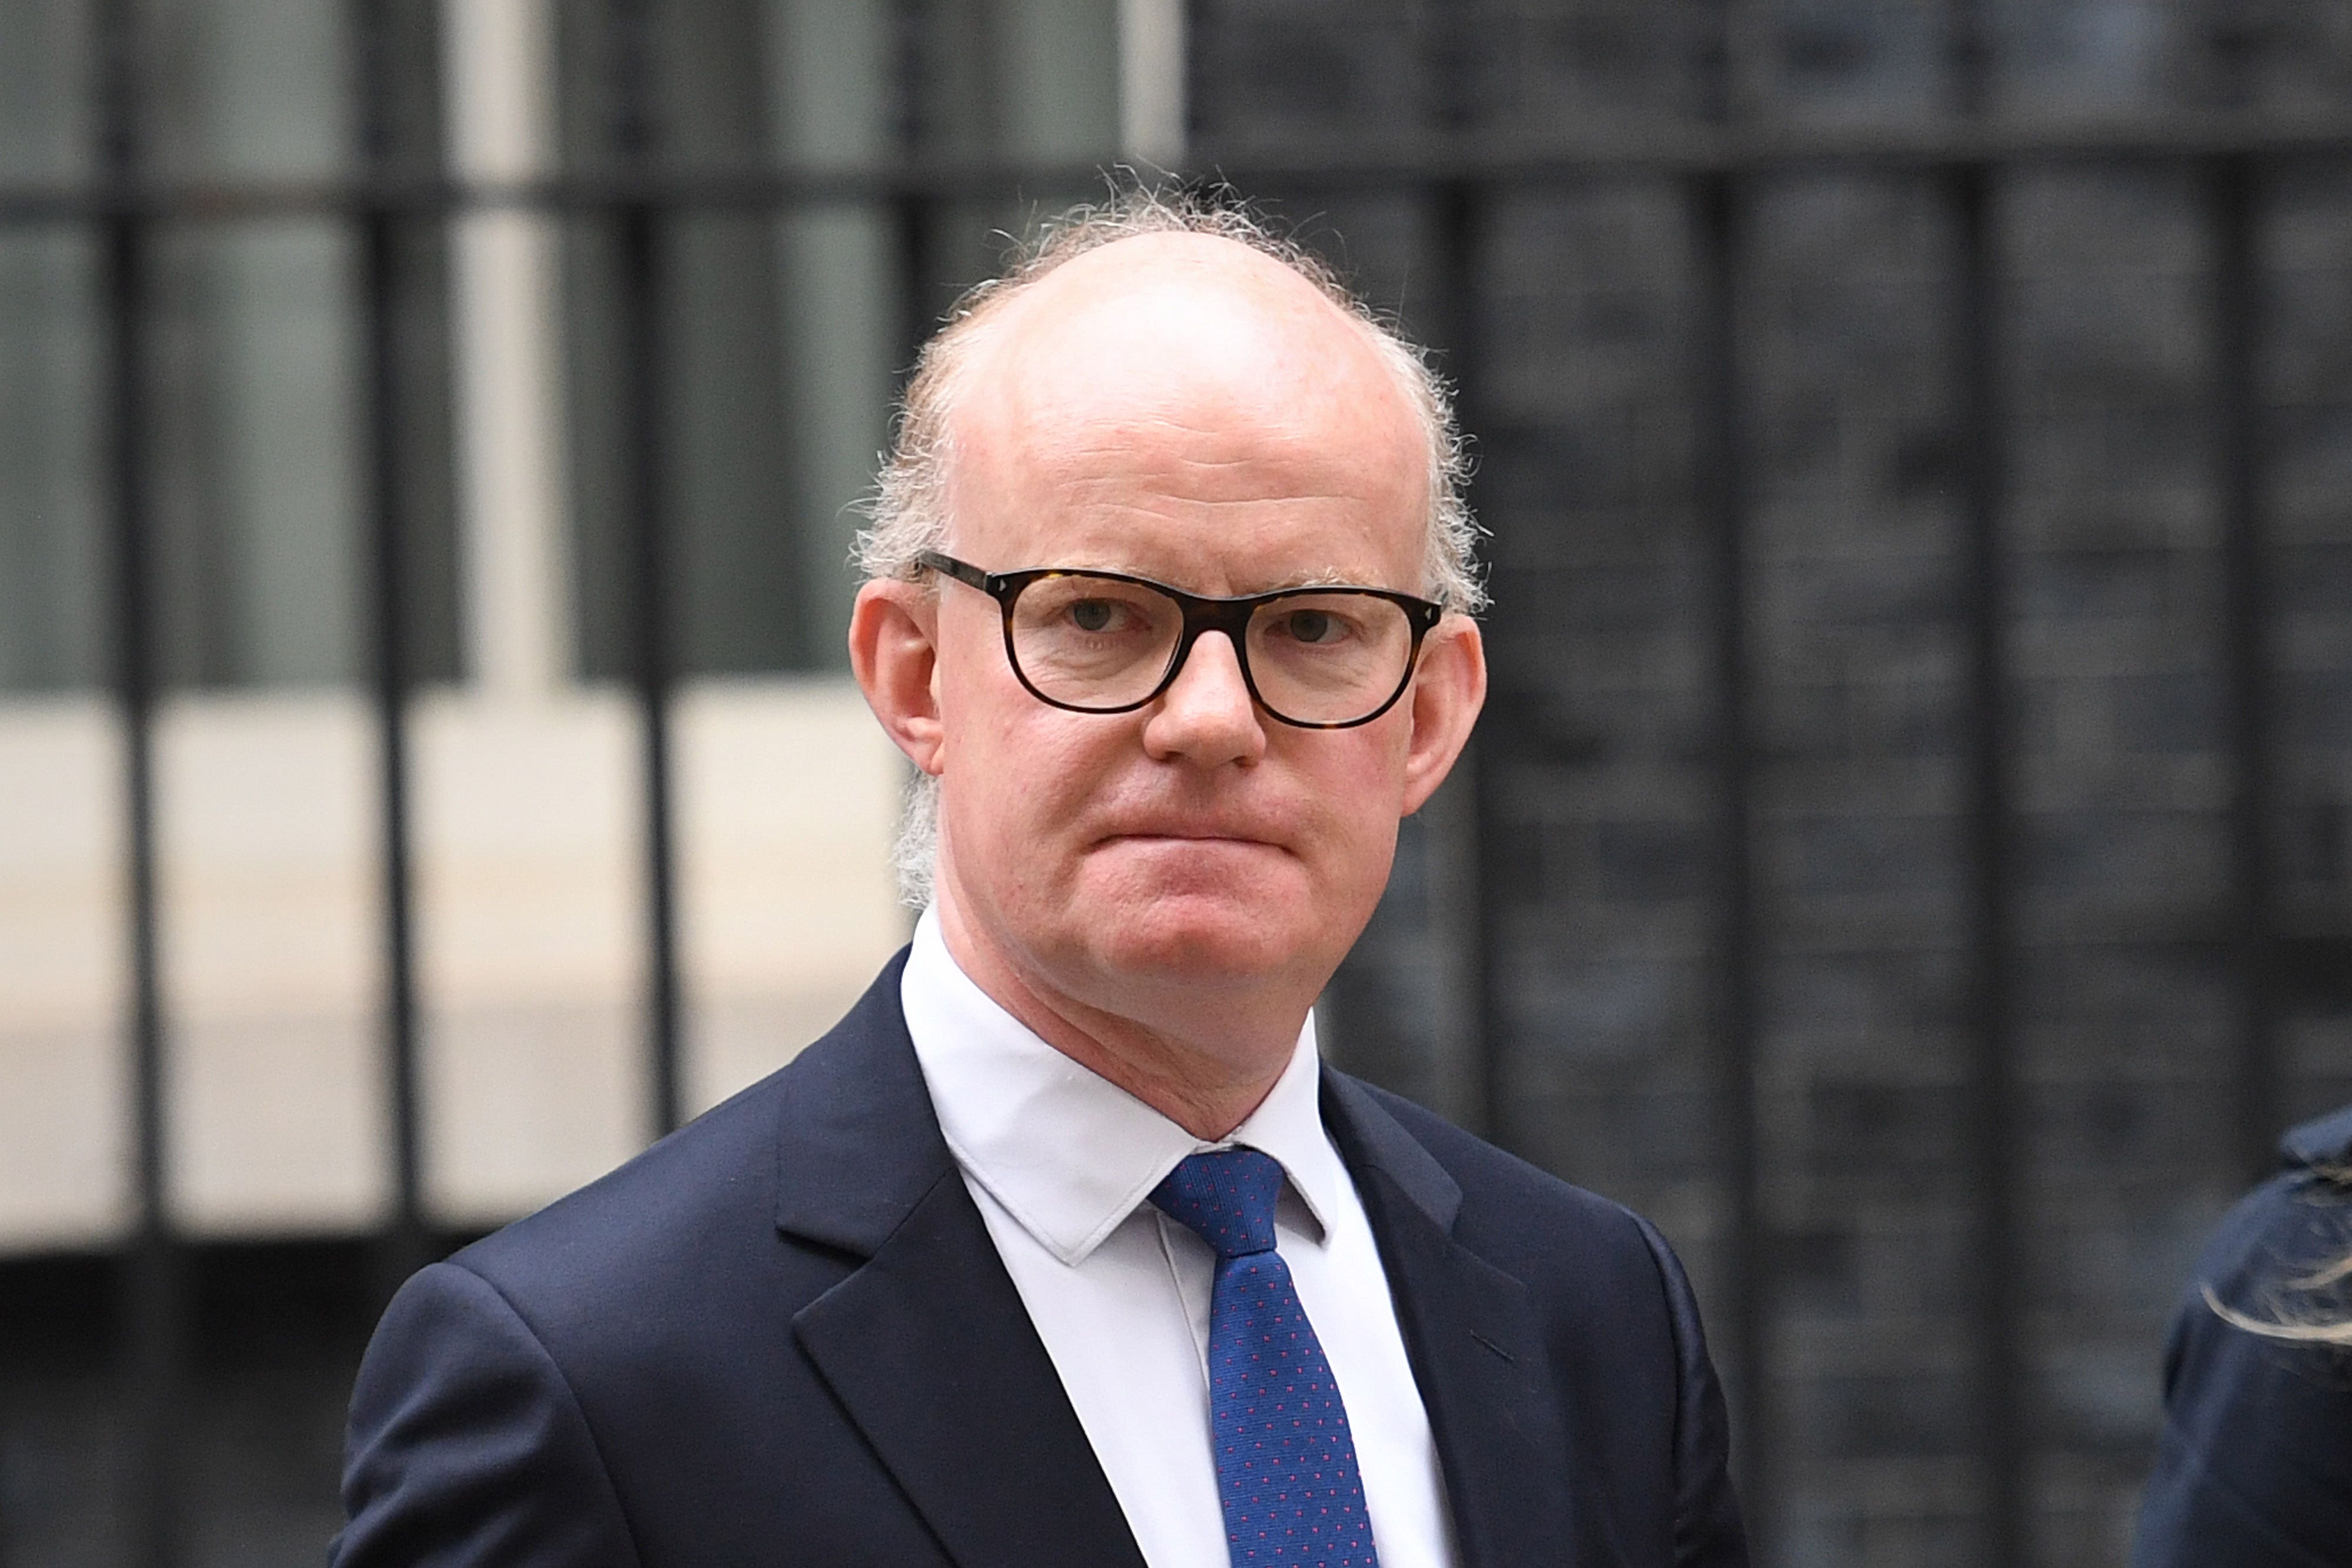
x,y
1224,1196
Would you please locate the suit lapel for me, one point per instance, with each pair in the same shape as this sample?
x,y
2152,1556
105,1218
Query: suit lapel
x,y
926,1345
1476,1346
929,1349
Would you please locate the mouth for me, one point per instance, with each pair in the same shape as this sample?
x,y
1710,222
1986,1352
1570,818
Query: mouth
x,y
1203,836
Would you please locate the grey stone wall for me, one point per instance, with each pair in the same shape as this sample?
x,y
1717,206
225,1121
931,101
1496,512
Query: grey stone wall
x,y
1600,740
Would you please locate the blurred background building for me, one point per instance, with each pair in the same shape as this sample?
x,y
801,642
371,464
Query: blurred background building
x,y
1908,853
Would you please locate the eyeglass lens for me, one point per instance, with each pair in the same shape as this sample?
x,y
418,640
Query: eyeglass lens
x,y
1317,657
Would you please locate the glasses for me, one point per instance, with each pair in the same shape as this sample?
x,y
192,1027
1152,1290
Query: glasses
x,y
1103,641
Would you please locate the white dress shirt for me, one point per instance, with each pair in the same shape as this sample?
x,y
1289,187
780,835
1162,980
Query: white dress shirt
x,y
1060,1162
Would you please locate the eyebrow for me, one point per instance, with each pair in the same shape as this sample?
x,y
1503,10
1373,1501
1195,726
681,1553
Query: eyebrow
x,y
1326,578
1321,580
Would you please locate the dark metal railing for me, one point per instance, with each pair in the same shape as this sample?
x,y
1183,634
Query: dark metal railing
x,y
1481,161
2233,196
1717,164
406,1245
1721,492
156,1310
1991,1103
645,490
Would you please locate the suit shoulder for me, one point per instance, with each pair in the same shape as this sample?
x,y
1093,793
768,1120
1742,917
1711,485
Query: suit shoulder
x,y
693,1215
713,1173
1511,1207
2292,1228
720,1170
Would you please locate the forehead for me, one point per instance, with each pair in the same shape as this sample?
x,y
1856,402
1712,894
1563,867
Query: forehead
x,y
1175,400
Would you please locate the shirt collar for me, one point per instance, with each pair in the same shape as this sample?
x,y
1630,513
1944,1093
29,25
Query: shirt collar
x,y
1068,1153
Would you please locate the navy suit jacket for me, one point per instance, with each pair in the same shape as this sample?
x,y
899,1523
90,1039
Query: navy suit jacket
x,y
783,1335
2255,1467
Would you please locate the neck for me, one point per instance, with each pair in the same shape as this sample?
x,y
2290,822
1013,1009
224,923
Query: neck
x,y
1204,1073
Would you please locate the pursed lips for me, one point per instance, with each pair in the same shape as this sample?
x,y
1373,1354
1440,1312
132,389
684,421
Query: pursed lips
x,y
1188,835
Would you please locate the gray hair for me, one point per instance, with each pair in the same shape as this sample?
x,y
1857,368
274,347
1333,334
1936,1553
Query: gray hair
x,y
909,509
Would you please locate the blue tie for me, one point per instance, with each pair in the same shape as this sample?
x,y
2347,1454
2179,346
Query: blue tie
x,y
1285,1464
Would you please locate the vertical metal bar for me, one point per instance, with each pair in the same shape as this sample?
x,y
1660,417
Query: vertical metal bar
x,y
911,234
156,1307
1994,1150
645,492
2234,193
1726,73
402,1246
911,216
1746,1269
1464,829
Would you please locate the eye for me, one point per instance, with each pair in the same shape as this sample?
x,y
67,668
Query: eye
x,y
1312,626
1093,614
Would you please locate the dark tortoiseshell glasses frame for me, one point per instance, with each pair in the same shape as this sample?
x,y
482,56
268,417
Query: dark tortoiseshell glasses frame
x,y
1229,616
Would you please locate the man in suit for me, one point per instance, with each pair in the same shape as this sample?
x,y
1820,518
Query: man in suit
x,y
1064,1246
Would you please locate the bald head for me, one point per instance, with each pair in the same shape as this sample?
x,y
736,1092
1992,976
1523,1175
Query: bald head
x,y
1240,389
1156,324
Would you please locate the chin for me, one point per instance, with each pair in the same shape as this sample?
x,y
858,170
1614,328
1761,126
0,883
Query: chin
x,y
1201,931
1182,941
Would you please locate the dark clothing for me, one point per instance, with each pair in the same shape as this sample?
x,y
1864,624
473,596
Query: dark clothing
x,y
2255,1470
783,1335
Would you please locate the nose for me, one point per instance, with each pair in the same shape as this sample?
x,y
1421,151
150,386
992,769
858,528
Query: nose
x,y
1206,715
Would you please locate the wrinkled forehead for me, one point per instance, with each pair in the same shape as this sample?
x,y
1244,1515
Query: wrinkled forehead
x,y
1217,364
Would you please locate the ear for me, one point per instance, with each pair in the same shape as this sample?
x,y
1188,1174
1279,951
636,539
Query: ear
x,y
894,652
1449,687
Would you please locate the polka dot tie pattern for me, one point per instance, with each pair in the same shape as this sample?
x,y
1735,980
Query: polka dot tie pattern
x,y
1285,1463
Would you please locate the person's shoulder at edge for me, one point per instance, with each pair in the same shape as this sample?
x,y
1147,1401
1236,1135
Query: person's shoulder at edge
x,y
2290,1223
2254,1466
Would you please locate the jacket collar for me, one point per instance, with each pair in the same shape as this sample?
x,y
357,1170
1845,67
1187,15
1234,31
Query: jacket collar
x,y
1069,1155
1371,1138
858,1147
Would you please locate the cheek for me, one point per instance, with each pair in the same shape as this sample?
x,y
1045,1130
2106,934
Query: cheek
x,y
1353,793
1018,772
1371,854
1027,790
